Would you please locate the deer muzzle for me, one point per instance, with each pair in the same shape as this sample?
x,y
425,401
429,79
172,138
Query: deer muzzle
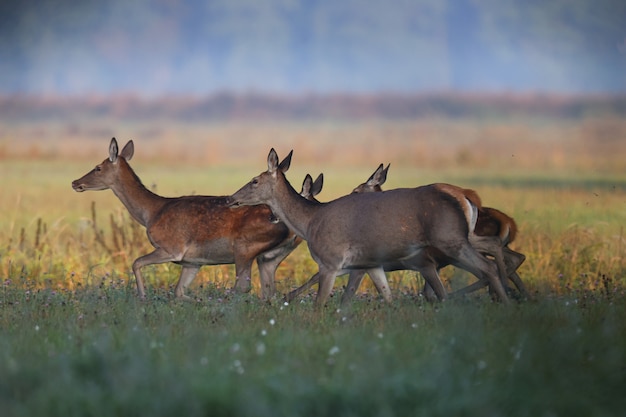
x,y
77,186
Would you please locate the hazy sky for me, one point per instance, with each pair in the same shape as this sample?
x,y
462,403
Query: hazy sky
x,y
192,46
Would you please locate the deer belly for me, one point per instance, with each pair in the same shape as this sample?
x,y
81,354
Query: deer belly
x,y
363,257
216,252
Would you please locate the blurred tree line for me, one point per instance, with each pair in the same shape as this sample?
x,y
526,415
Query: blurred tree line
x,y
194,46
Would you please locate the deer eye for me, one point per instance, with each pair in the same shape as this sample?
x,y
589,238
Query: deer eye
x,y
98,168
255,181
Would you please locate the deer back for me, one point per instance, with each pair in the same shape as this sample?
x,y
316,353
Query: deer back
x,y
493,222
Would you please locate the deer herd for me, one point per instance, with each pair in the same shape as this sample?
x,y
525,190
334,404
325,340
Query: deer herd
x,y
369,231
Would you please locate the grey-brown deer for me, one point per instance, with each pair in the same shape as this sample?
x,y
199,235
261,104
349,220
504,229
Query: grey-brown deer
x,y
490,222
492,233
368,230
194,230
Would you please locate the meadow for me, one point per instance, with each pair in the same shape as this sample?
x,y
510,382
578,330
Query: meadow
x,y
75,340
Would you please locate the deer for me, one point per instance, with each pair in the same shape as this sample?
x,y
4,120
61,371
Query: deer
x,y
490,222
404,226
492,233
195,230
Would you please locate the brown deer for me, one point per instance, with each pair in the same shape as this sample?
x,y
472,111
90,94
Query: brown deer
x,y
405,227
193,231
490,222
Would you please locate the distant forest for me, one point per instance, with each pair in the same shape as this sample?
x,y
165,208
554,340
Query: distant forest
x,y
240,107
284,46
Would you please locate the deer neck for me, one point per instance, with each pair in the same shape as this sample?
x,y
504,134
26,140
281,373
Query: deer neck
x,y
293,209
141,203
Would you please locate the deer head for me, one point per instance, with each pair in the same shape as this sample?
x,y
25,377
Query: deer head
x,y
105,174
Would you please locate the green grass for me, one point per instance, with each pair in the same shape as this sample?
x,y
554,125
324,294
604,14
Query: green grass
x,y
100,351
74,339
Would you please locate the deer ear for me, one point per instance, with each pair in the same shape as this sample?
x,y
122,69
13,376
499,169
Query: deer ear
x,y
272,161
382,175
128,151
113,150
284,165
316,188
306,186
372,179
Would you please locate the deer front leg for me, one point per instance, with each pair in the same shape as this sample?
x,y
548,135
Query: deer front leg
x,y
158,256
327,281
243,270
187,275
267,274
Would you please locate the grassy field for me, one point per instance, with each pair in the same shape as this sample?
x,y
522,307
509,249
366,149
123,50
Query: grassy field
x,y
76,341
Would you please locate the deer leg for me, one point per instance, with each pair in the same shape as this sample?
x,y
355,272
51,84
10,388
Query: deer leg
x,y
267,273
302,288
513,260
433,287
492,245
470,288
268,263
429,293
187,275
158,256
243,271
380,282
499,258
354,281
327,281
470,260
513,276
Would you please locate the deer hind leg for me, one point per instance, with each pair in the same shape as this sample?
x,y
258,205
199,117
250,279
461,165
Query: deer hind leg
x,y
513,260
315,279
470,260
433,287
492,246
158,256
380,282
187,275
354,281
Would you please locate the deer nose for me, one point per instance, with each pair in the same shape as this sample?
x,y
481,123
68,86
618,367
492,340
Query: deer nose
x,y
231,202
77,186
